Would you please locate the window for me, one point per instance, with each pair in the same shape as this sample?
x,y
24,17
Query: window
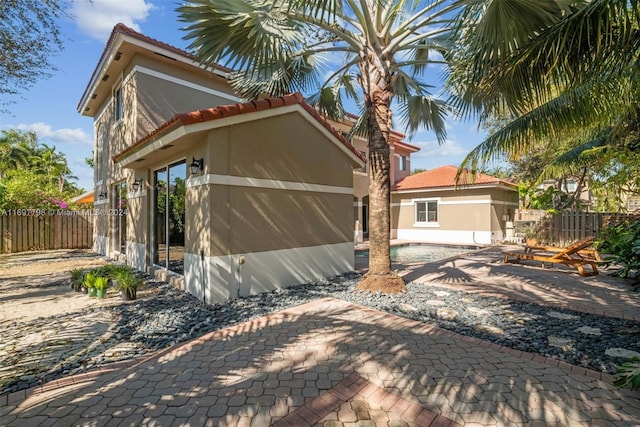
x,y
427,212
404,163
117,107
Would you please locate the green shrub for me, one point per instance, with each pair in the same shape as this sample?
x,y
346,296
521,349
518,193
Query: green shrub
x,y
90,280
622,241
101,283
628,374
77,278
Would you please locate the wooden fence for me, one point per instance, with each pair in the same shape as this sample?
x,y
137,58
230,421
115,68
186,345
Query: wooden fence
x,y
23,230
567,227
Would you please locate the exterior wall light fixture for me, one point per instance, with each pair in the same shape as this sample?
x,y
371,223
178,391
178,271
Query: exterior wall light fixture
x,y
102,195
137,184
196,166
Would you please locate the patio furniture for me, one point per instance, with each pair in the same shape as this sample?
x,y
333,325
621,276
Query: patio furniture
x,y
575,255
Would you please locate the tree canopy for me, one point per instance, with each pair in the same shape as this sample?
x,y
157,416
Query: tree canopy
x,y
29,37
374,53
33,175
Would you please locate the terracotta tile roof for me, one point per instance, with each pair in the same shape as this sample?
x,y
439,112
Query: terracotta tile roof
x,y
123,29
222,111
445,176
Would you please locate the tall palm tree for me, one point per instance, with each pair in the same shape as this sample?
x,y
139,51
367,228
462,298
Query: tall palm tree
x,y
566,70
378,51
54,164
14,150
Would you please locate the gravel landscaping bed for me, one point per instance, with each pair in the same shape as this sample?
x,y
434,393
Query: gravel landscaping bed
x,y
171,316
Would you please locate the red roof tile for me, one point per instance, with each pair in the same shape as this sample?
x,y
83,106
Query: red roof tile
x,y
445,176
221,111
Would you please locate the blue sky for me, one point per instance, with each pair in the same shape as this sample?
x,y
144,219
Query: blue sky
x,y
49,107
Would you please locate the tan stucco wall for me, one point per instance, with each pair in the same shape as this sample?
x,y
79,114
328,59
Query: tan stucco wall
x,y
464,216
285,147
159,99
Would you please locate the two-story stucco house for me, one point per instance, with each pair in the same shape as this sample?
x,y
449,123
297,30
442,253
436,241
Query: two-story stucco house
x,y
228,198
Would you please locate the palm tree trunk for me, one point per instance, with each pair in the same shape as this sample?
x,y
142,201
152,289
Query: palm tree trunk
x,y
380,276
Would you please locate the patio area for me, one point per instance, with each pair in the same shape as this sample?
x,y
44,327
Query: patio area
x,y
334,363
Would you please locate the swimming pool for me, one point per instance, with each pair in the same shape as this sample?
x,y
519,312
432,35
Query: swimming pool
x,y
421,252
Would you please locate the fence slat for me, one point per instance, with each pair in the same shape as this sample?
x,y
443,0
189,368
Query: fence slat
x,y
19,233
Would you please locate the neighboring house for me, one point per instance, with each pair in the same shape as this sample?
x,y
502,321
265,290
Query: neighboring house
x,y
432,207
569,187
400,168
234,197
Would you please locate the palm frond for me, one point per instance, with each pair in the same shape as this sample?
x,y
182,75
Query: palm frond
x,y
423,111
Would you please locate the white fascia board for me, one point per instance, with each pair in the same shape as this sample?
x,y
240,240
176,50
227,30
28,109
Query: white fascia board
x,y
120,39
459,188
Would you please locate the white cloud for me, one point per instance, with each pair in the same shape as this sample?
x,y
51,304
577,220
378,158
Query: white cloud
x,y
63,136
434,149
98,17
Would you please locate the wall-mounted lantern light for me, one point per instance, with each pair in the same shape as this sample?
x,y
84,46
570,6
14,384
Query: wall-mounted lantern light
x,y
137,184
196,166
102,195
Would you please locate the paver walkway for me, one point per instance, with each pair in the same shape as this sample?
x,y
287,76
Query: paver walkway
x,y
331,363
483,272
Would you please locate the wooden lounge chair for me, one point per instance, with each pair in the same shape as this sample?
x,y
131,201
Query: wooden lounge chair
x,y
590,254
575,255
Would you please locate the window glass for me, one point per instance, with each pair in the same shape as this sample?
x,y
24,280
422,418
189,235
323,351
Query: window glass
x,y
427,211
117,97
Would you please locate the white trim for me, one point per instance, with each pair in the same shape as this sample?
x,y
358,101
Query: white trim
x,y
136,194
465,237
245,181
185,83
460,202
453,188
219,278
101,202
106,61
426,224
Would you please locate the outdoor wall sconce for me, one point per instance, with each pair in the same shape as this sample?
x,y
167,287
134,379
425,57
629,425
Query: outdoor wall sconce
x,y
137,184
102,195
196,166
159,185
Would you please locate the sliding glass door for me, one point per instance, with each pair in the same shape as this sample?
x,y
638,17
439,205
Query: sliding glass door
x,y
169,216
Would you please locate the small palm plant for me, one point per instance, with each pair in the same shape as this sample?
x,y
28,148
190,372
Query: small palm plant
x,y
128,283
77,279
101,284
90,284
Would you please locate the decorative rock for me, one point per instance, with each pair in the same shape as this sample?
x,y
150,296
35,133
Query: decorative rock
x,y
408,308
435,302
447,314
621,352
565,344
587,330
563,316
490,329
478,311
442,293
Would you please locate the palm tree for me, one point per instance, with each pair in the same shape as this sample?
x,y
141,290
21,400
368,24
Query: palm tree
x,y
382,50
14,150
567,72
54,164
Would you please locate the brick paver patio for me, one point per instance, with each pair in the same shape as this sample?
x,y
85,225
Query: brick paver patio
x,y
331,363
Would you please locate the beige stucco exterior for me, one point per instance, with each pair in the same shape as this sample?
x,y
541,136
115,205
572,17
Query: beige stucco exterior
x,y
467,215
272,205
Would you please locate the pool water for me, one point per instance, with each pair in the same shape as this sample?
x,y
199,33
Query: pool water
x,y
420,252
